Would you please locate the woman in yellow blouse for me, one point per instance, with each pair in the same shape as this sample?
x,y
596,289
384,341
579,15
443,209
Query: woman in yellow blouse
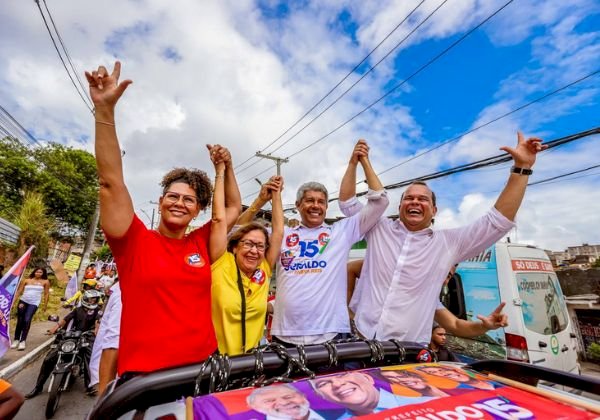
x,y
241,273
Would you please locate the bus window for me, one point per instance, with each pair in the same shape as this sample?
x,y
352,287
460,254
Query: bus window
x,y
543,306
452,297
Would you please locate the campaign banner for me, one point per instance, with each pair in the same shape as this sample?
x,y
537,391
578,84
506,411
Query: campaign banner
x,y
8,285
72,263
71,288
531,265
430,391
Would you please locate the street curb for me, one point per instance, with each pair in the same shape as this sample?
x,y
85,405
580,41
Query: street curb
x,y
18,365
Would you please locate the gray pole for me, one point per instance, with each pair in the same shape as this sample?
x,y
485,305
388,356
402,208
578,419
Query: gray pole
x,y
89,242
278,161
152,221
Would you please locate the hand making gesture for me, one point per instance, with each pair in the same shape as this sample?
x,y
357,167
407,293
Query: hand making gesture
x,y
105,89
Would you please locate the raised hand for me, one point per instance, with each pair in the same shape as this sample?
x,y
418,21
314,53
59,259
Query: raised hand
x,y
105,89
494,320
360,151
275,183
219,156
525,152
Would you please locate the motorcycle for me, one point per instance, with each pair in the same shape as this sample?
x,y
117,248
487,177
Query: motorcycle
x,y
70,363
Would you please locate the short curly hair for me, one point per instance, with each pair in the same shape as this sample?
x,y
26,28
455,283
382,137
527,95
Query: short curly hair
x,y
195,178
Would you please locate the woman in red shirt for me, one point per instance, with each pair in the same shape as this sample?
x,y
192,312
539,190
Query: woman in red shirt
x,y
164,274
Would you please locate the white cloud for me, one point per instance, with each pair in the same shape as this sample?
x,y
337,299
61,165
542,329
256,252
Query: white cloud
x,y
241,79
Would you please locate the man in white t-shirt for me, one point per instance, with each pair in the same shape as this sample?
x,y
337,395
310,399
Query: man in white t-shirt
x,y
311,272
407,261
103,364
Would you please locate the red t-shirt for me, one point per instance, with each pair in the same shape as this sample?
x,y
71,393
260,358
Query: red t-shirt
x,y
165,289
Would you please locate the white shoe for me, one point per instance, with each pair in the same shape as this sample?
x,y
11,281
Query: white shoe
x,y
14,344
21,346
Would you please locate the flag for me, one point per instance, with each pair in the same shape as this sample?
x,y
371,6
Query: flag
x,y
8,285
71,288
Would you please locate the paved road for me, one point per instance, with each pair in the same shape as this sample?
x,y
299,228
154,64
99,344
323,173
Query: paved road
x,y
74,404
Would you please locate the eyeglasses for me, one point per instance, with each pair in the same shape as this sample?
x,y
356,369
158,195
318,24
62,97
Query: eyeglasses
x,y
173,197
248,245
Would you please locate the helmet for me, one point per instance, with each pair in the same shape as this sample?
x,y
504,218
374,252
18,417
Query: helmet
x,y
90,299
89,284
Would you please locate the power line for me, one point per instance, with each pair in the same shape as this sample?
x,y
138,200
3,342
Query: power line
x,y
18,125
564,175
363,76
389,92
572,179
547,181
250,195
489,122
260,173
64,47
490,161
61,58
340,82
6,117
520,108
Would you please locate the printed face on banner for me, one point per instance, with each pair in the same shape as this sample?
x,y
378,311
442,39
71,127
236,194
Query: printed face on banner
x,y
354,390
283,401
400,392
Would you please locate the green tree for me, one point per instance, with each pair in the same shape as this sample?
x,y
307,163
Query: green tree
x,y
35,227
66,178
104,253
18,173
594,351
69,183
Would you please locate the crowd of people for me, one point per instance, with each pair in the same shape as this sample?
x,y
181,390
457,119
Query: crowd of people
x,y
195,293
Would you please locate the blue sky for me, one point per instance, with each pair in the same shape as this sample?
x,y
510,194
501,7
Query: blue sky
x,y
240,73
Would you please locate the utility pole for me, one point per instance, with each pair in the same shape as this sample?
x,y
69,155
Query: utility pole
x,y
153,213
277,160
89,242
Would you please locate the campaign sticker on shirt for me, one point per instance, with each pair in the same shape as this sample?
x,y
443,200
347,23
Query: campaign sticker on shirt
x,y
292,240
323,238
424,356
286,258
194,260
258,277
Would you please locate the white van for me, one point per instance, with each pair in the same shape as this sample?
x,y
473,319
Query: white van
x,y
539,330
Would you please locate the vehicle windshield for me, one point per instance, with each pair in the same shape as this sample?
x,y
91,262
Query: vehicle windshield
x,y
543,305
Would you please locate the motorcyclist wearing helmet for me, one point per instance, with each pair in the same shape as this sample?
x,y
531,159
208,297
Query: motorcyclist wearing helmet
x,y
87,284
84,318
